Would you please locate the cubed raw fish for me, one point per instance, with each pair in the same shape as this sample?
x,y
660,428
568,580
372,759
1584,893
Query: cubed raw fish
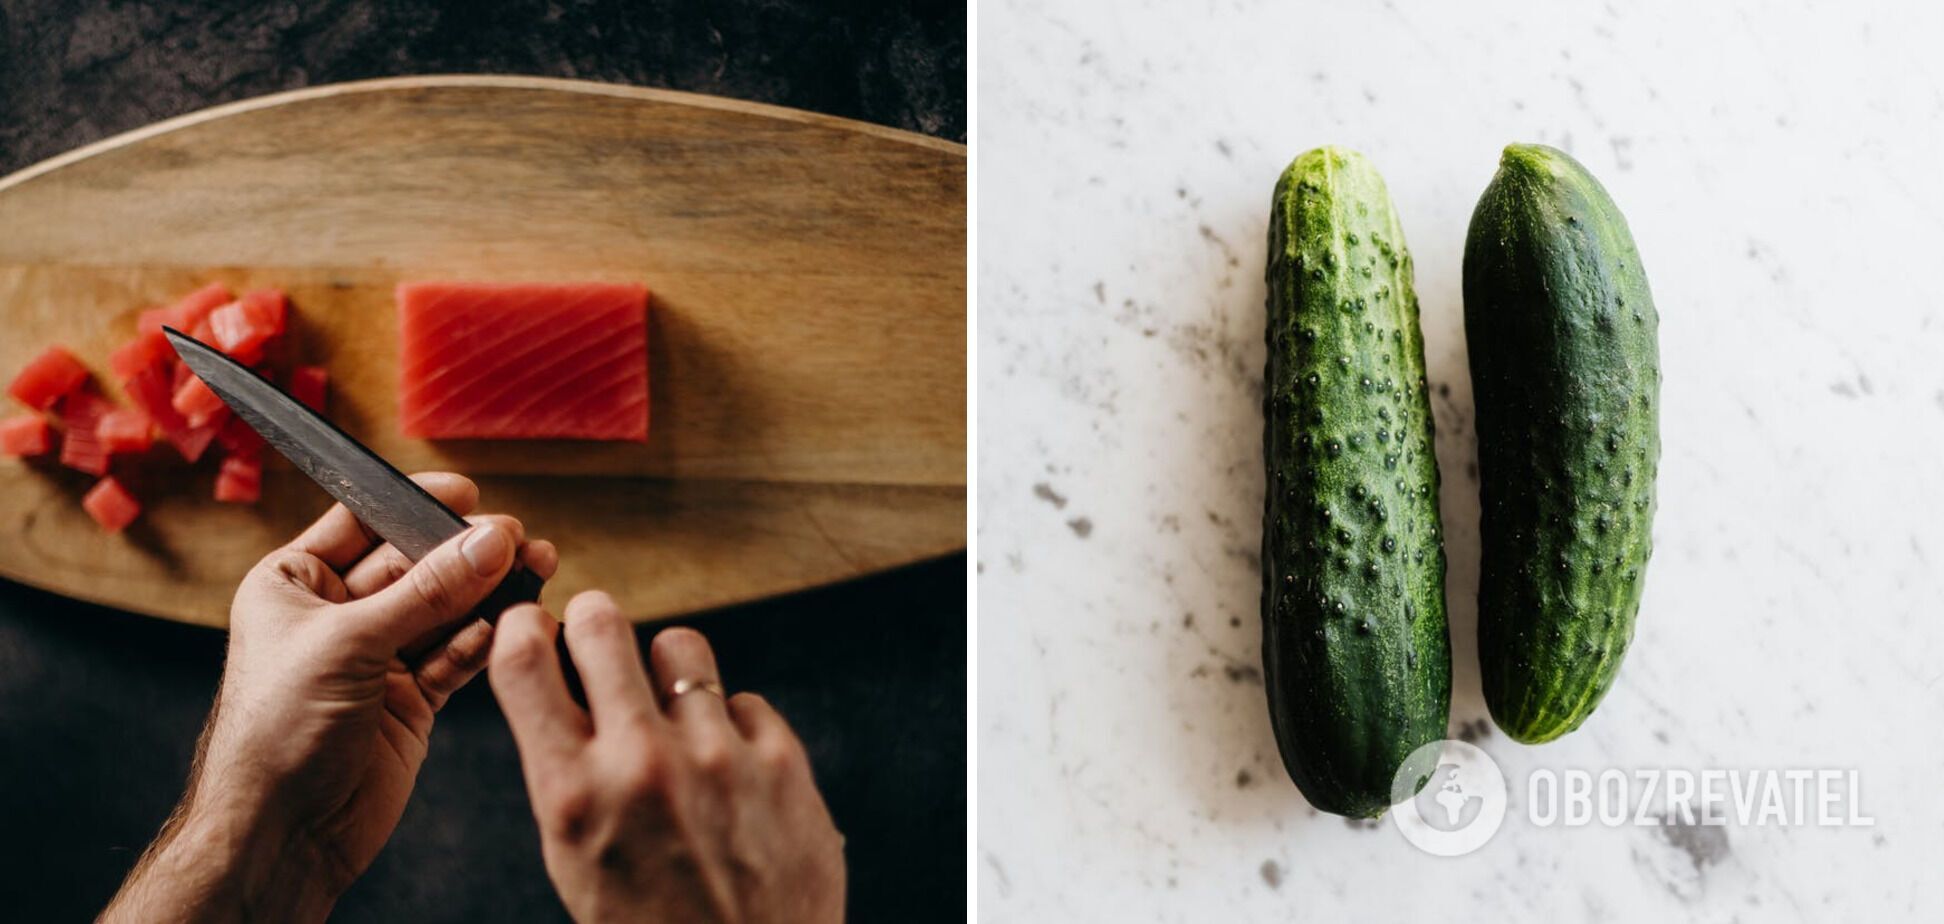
x,y
307,384
111,505
188,312
191,442
151,391
243,327
240,479
151,320
266,307
83,451
48,378
26,435
196,403
146,351
124,430
81,447
239,438
83,408
155,395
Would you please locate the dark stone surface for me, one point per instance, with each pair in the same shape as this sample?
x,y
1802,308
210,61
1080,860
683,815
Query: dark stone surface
x,y
99,712
99,709
73,71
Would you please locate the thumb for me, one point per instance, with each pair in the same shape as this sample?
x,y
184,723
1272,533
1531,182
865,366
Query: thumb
x,y
442,587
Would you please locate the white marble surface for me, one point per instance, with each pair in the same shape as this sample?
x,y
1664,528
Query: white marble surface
x,y
1779,164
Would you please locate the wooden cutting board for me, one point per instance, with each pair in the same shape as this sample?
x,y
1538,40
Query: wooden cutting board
x,y
807,325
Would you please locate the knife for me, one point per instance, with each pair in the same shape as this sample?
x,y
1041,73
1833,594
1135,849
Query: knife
x,y
390,504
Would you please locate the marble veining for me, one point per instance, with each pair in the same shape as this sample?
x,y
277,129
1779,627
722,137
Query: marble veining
x,y
1777,165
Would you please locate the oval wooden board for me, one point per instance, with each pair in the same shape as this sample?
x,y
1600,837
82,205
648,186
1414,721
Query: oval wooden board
x,y
807,324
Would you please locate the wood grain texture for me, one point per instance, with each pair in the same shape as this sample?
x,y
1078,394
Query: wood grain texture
x,y
807,324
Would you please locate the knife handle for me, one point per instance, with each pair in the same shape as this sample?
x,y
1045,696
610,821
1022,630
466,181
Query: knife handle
x,y
517,587
523,586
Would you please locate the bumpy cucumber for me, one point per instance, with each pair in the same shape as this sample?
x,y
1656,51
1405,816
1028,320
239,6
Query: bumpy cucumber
x,y
1356,656
1566,373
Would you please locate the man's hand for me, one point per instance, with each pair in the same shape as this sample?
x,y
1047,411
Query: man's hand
x,y
666,803
320,724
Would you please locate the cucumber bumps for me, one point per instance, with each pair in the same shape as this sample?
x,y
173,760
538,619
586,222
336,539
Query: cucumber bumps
x,y
1356,656
1566,374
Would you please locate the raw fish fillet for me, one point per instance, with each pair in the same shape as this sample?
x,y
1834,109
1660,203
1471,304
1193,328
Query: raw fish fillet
x,y
523,361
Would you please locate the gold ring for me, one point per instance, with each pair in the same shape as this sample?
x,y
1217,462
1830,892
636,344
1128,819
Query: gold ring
x,y
690,685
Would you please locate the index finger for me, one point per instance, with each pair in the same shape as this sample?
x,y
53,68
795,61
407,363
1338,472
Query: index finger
x,y
526,679
602,644
339,539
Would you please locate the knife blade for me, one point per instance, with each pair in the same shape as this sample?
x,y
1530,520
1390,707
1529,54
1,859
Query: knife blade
x,y
393,506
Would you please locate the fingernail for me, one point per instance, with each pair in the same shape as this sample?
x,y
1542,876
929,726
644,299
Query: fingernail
x,y
486,549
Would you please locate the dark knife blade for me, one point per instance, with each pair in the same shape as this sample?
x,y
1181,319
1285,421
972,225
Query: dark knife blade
x,y
392,505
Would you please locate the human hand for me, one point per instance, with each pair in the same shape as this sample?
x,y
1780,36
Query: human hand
x,y
320,724
666,803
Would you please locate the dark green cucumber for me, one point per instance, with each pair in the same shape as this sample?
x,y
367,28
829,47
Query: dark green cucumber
x,y
1355,653
1566,374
